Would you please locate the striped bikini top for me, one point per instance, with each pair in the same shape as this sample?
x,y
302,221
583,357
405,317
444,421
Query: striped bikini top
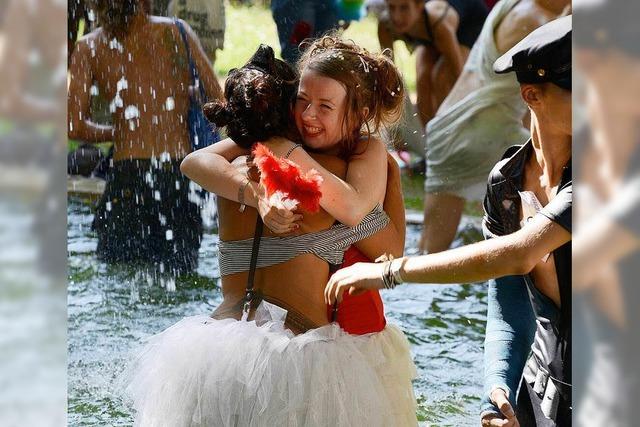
x,y
330,244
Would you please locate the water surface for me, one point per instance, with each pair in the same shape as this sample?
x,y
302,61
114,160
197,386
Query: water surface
x,y
112,309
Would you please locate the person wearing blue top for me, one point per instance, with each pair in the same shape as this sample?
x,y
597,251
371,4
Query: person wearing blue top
x,y
528,219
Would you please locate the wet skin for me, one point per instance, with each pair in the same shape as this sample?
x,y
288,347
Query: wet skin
x,y
145,76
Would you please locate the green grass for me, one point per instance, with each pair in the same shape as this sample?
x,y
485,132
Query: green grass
x,y
248,26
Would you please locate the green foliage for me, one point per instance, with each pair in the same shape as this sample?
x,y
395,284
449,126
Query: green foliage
x,y
252,24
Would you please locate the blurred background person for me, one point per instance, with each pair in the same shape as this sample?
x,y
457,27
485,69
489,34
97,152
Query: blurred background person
x,y
605,250
527,223
147,213
298,20
32,76
483,115
32,213
207,18
441,34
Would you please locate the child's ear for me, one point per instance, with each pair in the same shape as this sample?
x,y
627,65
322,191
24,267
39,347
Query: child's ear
x,y
365,112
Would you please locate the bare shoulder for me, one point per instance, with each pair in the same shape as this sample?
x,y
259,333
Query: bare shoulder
x,y
439,12
525,17
370,148
170,24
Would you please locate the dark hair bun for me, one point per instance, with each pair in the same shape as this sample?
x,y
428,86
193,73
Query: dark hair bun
x,y
217,113
258,100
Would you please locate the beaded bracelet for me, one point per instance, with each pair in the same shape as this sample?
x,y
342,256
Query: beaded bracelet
x,y
291,150
391,274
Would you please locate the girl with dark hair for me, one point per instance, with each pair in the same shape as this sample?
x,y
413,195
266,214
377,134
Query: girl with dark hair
x,y
268,355
146,214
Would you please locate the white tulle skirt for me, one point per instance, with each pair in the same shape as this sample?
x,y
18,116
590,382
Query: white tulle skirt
x,y
207,372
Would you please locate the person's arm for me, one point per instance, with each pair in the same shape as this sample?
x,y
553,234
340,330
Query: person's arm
x,y
211,168
389,240
205,69
513,254
425,61
447,43
508,337
351,199
79,99
509,329
599,248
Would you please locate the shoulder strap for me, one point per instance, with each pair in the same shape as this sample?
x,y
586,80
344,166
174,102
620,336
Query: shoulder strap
x,y
183,34
249,293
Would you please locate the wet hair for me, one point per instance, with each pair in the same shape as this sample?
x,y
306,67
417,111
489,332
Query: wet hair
x,y
258,100
371,80
115,16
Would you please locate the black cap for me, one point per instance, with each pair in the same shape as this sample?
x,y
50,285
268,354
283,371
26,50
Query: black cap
x,y
544,56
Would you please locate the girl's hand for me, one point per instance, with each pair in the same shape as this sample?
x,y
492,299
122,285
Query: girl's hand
x,y
276,217
356,279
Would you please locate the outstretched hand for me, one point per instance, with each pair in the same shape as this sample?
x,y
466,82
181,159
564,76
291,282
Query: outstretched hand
x,y
355,279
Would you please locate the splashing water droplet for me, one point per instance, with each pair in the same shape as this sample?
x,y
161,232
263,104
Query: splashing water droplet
x,y
122,84
169,235
165,156
169,103
131,112
171,285
115,44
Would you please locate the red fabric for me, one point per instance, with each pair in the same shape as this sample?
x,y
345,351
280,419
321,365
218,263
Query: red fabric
x,y
491,3
359,314
301,31
277,174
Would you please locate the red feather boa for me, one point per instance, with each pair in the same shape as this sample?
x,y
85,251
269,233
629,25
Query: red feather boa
x,y
278,174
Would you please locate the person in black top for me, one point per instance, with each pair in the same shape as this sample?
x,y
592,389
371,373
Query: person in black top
x,y
528,225
441,33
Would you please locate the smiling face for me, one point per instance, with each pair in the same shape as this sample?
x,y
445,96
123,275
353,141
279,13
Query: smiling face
x,y
320,111
404,13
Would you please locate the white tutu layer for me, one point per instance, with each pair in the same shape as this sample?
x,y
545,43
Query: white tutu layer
x,y
207,372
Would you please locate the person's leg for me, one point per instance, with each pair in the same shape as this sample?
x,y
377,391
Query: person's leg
x,y
291,28
426,58
325,17
442,214
443,80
